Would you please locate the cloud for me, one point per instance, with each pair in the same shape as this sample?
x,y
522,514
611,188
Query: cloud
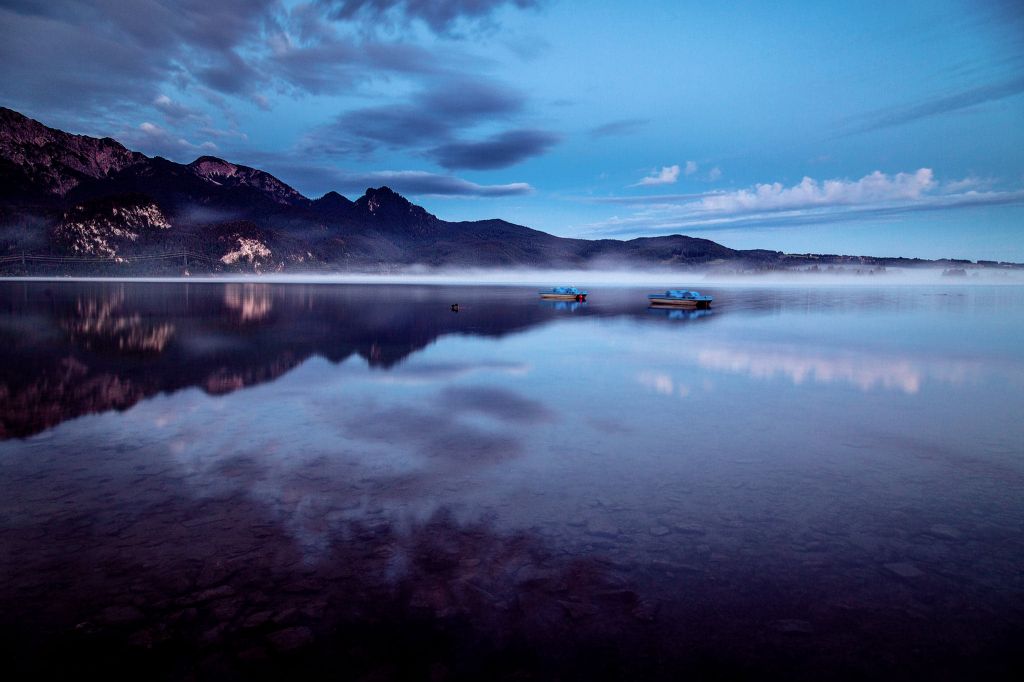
x,y
691,168
84,57
667,176
423,183
175,111
971,182
441,16
89,67
714,174
876,195
308,53
430,123
499,151
809,193
897,116
623,126
154,140
639,199
78,55
866,371
432,114
230,74
492,401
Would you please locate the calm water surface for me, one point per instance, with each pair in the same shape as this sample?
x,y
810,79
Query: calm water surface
x,y
236,480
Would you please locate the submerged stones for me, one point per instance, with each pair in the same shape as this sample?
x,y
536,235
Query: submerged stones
x,y
291,639
688,528
602,527
120,615
903,569
944,532
793,626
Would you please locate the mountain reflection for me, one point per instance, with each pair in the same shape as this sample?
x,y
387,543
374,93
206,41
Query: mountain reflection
x,y
251,302
101,323
70,349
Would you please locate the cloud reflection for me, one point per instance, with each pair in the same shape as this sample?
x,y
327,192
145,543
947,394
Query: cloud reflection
x,y
863,370
498,403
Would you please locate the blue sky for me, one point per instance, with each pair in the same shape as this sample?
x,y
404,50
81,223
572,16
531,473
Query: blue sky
x,y
869,128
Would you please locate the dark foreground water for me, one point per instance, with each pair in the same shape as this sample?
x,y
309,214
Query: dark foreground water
x,y
354,482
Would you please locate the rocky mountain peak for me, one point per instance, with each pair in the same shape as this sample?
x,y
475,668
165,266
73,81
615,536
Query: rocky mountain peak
x,y
207,166
221,172
333,198
384,202
55,162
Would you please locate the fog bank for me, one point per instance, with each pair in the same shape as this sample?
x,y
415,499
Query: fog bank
x,y
656,279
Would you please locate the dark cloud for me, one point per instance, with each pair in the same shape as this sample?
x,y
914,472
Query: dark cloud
x,y
940,105
431,115
176,111
467,100
442,16
363,130
106,66
93,57
65,54
229,74
500,151
314,179
43,64
308,53
334,65
623,126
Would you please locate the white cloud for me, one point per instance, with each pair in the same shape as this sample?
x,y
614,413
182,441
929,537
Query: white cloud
x,y
808,202
809,193
421,183
152,139
971,182
714,174
691,168
667,176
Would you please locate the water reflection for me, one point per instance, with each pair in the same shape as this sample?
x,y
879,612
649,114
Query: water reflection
x,y
866,371
564,306
678,313
101,323
508,491
251,302
95,347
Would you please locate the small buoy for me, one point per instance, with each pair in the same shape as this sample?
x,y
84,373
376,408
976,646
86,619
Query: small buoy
x,y
455,307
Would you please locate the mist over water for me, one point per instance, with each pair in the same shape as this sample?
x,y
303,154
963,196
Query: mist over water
x,y
240,478
619,276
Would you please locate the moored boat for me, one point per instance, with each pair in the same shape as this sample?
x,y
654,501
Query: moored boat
x,y
679,298
564,294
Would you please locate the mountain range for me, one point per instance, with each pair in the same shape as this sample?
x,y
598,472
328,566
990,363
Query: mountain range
x,y
77,204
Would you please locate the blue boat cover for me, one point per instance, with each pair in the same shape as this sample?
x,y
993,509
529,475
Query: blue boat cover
x,y
565,290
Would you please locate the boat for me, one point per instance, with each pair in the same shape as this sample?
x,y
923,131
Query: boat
x,y
564,294
679,298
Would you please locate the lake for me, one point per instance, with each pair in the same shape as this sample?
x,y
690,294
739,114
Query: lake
x,y
220,480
